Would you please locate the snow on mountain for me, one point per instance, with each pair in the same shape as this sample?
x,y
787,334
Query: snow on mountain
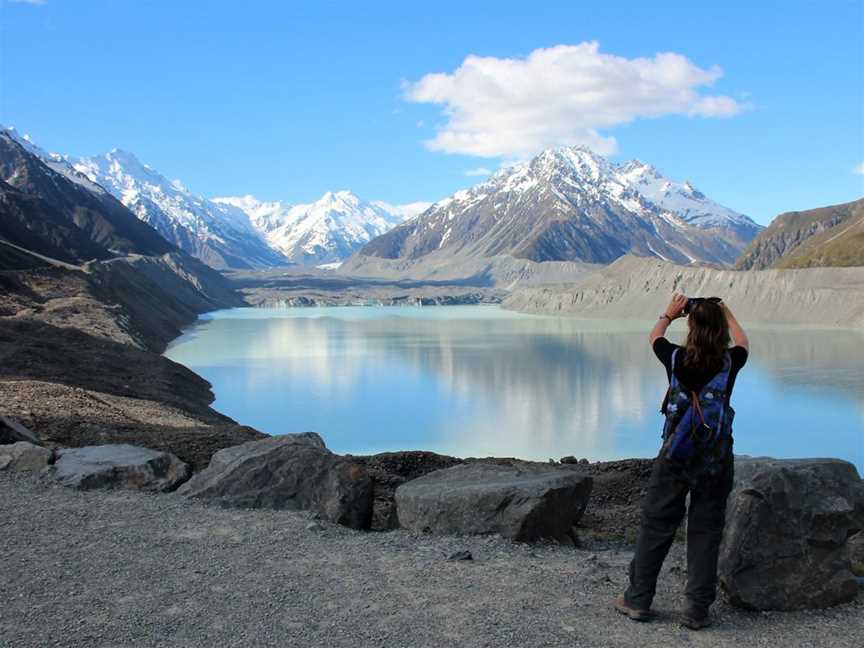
x,y
264,216
406,211
220,235
569,204
326,231
681,198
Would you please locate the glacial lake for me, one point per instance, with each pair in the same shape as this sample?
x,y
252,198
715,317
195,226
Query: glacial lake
x,y
482,381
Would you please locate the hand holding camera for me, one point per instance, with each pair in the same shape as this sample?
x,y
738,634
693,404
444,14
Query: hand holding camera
x,y
681,305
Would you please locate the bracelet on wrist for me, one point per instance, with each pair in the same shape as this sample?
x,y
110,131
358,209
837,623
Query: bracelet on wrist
x,y
666,316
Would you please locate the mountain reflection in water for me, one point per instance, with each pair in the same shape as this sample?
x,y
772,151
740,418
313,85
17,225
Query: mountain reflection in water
x,y
480,381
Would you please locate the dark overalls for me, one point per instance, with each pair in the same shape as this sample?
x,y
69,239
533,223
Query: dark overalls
x,y
662,512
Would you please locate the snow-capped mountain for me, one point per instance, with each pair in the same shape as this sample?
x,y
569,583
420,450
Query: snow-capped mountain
x,y
326,231
220,235
230,232
570,204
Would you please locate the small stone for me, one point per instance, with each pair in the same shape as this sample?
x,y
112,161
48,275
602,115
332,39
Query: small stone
x,y
314,526
461,555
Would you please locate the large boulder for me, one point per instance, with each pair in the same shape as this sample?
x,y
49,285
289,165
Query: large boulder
x,y
855,545
520,501
787,527
389,470
11,431
119,466
293,471
23,456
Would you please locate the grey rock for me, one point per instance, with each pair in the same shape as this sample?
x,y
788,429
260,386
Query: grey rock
x,y
11,431
785,541
294,471
119,466
23,456
523,502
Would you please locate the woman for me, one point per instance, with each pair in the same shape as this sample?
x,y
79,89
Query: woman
x,y
696,457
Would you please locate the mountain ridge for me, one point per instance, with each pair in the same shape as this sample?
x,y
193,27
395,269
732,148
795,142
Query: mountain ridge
x,y
831,235
569,204
62,217
639,286
229,232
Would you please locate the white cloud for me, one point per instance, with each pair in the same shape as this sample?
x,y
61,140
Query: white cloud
x,y
479,171
561,95
859,169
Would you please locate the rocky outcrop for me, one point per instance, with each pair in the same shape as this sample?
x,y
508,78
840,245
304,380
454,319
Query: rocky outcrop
x,y
119,467
11,431
293,471
522,502
785,543
22,456
815,237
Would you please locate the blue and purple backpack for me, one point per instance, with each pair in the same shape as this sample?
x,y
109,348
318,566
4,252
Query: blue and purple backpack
x,y
697,434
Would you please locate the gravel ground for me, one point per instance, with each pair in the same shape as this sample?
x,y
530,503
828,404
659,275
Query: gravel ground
x,y
131,569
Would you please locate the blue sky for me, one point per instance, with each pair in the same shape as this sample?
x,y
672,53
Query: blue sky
x,y
758,104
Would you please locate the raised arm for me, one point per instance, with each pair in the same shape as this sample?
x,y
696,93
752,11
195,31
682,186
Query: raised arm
x,y
674,310
739,337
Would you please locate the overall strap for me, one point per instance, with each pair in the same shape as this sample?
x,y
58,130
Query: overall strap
x,y
673,380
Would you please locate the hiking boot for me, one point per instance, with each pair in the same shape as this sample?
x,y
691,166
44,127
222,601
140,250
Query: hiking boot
x,y
695,618
634,613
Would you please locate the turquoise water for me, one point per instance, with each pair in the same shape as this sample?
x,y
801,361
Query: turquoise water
x,y
480,381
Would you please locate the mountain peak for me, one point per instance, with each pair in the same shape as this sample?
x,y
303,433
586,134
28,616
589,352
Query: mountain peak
x,y
338,199
572,204
126,159
570,160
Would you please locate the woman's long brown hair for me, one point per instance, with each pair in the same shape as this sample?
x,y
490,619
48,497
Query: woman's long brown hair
x,y
708,338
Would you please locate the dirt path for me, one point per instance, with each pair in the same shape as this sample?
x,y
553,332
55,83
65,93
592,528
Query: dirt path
x,y
128,569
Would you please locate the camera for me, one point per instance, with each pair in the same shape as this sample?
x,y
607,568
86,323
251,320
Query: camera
x,y
692,301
